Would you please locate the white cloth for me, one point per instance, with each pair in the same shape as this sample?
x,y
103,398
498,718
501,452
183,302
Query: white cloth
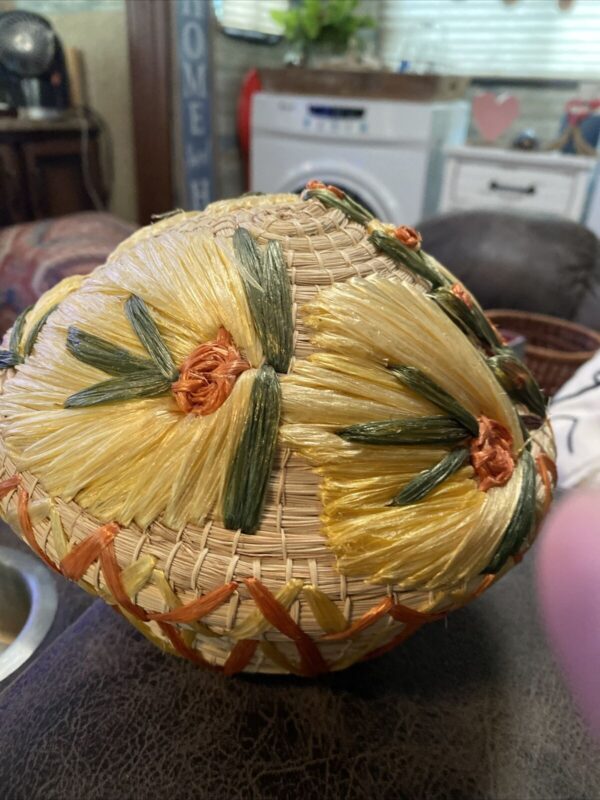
x,y
575,415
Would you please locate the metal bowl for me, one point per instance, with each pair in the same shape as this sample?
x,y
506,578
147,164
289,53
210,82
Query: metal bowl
x,y
28,602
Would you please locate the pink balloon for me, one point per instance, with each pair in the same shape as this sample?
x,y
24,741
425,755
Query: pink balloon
x,y
568,579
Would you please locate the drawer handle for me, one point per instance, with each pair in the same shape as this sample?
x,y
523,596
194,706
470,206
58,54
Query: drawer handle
x,y
505,187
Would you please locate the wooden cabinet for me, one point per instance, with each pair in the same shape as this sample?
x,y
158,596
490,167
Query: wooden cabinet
x,y
48,169
13,205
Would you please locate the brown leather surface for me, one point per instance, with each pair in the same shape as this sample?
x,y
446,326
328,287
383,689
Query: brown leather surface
x,y
469,708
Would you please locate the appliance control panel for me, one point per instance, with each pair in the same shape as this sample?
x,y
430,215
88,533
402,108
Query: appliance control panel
x,y
341,118
325,118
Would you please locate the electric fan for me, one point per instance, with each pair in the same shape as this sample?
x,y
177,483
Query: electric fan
x,y
32,65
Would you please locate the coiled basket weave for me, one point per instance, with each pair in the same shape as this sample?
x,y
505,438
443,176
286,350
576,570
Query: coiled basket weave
x,y
276,436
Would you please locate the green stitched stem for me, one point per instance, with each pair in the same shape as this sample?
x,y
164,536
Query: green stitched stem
x,y
425,482
411,259
420,383
251,466
517,380
141,384
9,359
249,257
35,331
526,433
522,519
420,430
471,321
279,298
349,206
248,254
103,355
357,208
17,330
414,260
149,335
269,295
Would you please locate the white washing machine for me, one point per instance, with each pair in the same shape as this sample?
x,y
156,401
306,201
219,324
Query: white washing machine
x,y
385,153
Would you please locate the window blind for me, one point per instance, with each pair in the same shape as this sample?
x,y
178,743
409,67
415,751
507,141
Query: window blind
x,y
253,16
526,38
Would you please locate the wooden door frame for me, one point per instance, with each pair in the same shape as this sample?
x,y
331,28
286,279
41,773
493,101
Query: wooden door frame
x,y
150,54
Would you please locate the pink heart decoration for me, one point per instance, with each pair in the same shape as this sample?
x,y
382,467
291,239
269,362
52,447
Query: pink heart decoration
x,y
493,114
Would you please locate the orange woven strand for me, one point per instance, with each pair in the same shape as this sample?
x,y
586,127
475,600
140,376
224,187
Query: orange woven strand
x,y
27,527
310,657
483,586
491,454
76,563
240,656
408,236
8,485
406,632
410,616
546,468
458,290
362,623
112,576
183,650
191,612
208,375
25,521
550,465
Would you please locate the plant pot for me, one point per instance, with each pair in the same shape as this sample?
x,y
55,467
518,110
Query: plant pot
x,y
321,54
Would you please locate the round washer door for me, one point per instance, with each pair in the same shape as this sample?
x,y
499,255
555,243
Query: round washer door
x,y
359,185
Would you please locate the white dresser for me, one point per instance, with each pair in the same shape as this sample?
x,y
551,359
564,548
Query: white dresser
x,y
491,178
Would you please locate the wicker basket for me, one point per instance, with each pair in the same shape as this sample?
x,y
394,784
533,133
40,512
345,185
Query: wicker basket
x,y
274,598
554,349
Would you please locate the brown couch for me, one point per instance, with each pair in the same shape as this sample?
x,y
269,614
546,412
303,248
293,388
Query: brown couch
x,y
544,264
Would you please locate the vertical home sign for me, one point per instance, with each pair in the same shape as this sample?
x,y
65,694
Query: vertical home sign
x,y
193,31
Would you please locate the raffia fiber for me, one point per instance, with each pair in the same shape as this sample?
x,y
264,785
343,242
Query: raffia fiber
x,y
290,609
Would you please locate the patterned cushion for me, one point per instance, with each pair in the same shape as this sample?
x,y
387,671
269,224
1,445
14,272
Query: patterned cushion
x,y
36,255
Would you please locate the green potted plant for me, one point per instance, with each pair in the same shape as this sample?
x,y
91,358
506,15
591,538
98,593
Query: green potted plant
x,y
320,30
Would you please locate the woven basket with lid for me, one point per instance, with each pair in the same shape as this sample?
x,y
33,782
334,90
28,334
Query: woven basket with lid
x,y
279,599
